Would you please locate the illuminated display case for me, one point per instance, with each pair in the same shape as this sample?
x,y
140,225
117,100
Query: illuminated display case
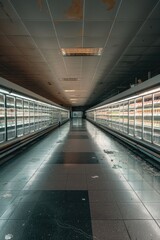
x,y
125,117
147,117
2,119
131,117
137,116
156,119
115,117
19,116
31,116
11,117
23,115
26,116
120,118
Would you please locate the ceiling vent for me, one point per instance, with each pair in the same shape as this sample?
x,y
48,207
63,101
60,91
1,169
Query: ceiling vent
x,y
70,79
71,52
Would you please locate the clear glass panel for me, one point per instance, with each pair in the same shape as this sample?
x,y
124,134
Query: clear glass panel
x,y
110,116
131,117
36,116
26,116
116,118
19,114
138,117
156,122
11,120
147,121
31,116
125,117
120,118
2,119
39,116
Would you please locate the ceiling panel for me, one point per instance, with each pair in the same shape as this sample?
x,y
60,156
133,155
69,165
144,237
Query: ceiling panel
x,y
69,29
31,10
46,42
96,29
70,42
151,27
6,11
40,28
101,10
12,28
4,41
136,10
59,9
22,41
33,32
95,42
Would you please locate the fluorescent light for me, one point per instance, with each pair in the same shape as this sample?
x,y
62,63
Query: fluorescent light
x,y
71,90
4,91
81,51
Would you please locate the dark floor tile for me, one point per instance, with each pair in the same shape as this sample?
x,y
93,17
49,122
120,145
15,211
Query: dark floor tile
x,y
57,230
78,137
74,157
23,211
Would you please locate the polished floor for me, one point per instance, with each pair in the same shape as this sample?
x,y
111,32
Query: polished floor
x,y
79,183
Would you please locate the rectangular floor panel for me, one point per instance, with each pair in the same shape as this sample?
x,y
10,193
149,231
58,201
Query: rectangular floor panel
x,y
73,157
54,215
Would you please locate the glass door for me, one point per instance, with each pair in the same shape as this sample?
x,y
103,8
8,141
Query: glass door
x,y
147,120
2,119
11,119
156,119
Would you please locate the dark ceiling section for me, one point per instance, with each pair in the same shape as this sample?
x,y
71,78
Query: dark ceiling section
x,y
33,32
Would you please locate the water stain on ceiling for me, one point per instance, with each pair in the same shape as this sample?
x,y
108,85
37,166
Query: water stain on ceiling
x,y
40,4
75,11
110,4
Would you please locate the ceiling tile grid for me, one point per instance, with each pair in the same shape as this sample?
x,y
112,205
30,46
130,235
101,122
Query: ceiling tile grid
x,y
33,32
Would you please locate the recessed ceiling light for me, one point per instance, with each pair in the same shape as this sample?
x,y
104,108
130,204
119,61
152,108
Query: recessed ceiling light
x,y
71,90
73,99
70,79
70,52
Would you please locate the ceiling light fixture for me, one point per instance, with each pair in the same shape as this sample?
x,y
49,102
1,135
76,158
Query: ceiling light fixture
x,y
73,99
70,52
71,90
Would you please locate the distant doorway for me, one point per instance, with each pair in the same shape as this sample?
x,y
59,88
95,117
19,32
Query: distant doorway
x,y
77,114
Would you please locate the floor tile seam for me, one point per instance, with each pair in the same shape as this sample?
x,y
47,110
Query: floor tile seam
x,y
145,180
39,165
150,215
141,201
123,219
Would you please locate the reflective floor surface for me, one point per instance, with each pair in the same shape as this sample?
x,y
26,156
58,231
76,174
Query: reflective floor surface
x,y
79,183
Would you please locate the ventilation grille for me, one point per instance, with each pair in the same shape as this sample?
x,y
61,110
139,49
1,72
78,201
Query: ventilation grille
x,y
70,52
70,79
